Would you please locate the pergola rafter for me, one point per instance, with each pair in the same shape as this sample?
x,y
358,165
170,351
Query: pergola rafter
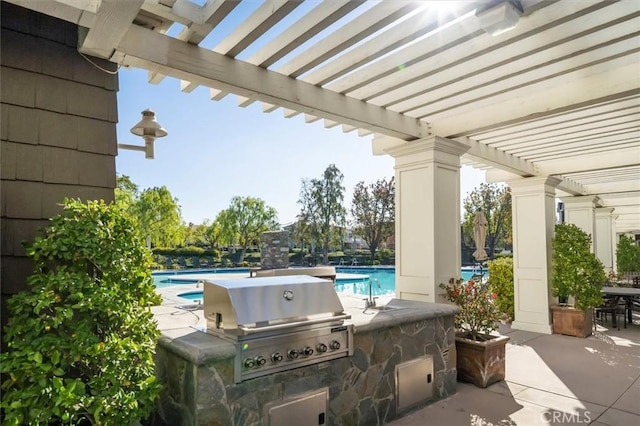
x,y
557,95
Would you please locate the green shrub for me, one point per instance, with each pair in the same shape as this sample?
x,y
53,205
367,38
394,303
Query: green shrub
x,y
501,283
576,271
81,340
627,255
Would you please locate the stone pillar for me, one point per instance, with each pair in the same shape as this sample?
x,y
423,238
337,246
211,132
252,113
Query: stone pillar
x,y
533,211
274,250
606,234
581,211
427,216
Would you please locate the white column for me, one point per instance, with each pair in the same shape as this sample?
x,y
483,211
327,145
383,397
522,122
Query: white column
x,y
606,236
533,216
427,216
580,211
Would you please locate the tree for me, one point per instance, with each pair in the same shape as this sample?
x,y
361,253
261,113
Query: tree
x,y
212,235
373,210
322,207
245,220
126,193
197,234
300,233
159,217
627,255
495,202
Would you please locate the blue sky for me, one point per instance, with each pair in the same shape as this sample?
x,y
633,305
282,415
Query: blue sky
x,y
216,150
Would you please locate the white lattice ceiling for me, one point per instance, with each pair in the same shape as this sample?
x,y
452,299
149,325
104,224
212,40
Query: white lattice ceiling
x,y
557,95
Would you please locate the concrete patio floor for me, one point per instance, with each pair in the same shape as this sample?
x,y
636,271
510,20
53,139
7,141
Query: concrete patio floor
x,y
552,380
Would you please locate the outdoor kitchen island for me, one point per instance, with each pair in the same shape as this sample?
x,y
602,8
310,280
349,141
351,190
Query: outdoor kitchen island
x,y
400,357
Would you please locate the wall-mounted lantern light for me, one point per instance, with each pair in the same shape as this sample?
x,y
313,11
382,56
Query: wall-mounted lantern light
x,y
149,129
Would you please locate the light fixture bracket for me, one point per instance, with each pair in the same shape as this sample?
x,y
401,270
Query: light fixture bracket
x,y
500,16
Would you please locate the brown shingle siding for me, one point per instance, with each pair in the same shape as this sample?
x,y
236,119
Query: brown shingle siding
x,y
91,101
96,136
57,129
52,93
17,231
20,51
23,199
29,161
96,169
60,165
57,59
8,154
53,195
88,73
18,87
22,124
15,271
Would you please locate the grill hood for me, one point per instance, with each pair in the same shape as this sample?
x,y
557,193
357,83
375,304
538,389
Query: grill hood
x,y
259,302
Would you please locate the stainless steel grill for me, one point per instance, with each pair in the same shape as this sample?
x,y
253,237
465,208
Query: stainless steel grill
x,y
278,323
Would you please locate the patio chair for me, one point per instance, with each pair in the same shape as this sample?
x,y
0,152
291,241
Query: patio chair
x,y
609,306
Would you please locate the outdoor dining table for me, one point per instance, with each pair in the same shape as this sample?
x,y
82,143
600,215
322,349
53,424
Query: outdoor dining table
x,y
627,293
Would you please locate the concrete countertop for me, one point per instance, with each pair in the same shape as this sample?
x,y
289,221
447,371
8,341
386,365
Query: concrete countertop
x,y
182,326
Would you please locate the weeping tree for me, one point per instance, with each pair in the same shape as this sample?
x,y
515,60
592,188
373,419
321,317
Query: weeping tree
x,y
495,202
159,217
154,211
373,211
245,220
322,208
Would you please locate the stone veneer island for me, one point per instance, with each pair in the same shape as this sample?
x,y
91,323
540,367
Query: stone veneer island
x,y
197,370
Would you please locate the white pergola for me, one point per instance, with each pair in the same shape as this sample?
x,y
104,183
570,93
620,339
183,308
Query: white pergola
x,y
552,106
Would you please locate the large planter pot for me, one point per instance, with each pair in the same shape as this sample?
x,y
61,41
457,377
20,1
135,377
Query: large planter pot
x,y
480,362
570,321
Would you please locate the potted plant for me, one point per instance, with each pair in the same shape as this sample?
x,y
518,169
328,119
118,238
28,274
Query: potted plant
x,y
578,274
81,339
480,356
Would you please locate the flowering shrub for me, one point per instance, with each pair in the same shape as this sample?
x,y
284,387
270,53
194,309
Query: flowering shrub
x,y
478,313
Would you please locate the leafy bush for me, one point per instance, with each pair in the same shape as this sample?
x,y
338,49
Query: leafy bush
x,y
627,255
576,271
501,283
81,340
184,251
478,315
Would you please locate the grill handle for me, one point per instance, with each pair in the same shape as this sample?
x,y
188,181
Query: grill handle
x,y
252,330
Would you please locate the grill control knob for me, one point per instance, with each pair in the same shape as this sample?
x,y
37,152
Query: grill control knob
x,y
249,363
307,351
260,361
276,357
292,354
321,347
335,345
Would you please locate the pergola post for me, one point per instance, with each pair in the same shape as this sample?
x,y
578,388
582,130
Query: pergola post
x,y
606,232
427,175
533,211
581,211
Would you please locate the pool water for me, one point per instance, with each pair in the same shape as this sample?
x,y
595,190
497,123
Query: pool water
x,y
383,280
169,278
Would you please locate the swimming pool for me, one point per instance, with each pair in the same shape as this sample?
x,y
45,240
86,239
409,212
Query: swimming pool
x,y
383,279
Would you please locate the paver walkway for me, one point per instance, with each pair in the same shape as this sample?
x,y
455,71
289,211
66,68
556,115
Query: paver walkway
x,y
551,380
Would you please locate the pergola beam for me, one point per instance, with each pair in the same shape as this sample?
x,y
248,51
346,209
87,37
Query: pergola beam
x,y
160,53
113,20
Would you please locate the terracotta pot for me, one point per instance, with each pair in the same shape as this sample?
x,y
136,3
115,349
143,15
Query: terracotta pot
x,y
571,321
481,362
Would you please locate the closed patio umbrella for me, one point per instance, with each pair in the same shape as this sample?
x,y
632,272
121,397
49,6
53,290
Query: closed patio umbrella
x,y
479,236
